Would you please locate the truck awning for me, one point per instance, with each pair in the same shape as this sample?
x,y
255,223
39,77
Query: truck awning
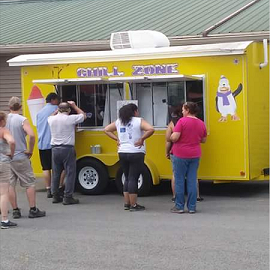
x,y
71,81
137,79
161,78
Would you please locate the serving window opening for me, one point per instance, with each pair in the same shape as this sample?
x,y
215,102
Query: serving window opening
x,y
98,101
158,100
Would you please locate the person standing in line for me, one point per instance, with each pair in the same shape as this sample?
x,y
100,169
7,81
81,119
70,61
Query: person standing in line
x,y
7,148
62,126
44,140
176,115
187,136
21,168
132,132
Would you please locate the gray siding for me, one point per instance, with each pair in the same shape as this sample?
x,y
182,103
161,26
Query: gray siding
x,y
10,81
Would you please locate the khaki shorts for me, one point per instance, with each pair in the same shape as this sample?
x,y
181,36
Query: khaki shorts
x,y
22,170
4,172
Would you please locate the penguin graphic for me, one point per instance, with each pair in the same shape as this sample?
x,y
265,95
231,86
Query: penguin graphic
x,y
225,100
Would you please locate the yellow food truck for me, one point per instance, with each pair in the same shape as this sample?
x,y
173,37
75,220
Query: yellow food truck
x,y
229,82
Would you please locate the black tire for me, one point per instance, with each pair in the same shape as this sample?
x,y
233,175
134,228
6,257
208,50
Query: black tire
x,y
145,182
92,176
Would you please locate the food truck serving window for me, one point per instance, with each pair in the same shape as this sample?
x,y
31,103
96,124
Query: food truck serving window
x,y
98,101
158,100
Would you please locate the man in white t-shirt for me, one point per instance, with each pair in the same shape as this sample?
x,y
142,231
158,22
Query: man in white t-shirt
x,y
62,126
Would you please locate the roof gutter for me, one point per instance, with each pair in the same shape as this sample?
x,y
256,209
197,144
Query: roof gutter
x,y
102,45
216,25
265,51
218,38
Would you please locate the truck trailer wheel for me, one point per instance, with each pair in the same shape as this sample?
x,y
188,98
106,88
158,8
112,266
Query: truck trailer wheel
x,y
145,182
92,177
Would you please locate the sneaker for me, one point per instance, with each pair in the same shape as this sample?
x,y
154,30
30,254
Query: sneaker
x,y
177,211
70,200
136,207
36,213
199,199
49,193
7,225
16,213
192,211
57,199
126,206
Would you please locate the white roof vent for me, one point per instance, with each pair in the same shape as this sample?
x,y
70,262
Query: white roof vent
x,y
138,39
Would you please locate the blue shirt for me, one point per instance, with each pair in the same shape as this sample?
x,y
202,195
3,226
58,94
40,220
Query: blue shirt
x,y
43,129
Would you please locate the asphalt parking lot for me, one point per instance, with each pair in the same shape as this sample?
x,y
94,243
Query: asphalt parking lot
x,y
229,231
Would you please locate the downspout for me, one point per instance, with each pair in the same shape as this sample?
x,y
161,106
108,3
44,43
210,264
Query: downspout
x,y
265,53
216,25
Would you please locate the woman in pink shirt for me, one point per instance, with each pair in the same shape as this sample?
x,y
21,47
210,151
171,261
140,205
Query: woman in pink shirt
x,y
187,136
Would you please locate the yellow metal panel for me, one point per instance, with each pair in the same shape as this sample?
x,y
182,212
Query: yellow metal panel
x,y
225,155
258,111
27,75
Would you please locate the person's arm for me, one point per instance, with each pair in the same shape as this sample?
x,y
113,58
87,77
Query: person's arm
x,y
204,134
168,149
31,142
148,131
76,108
109,131
169,132
10,140
175,136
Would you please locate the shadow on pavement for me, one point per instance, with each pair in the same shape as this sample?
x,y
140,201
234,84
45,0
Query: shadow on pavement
x,y
207,188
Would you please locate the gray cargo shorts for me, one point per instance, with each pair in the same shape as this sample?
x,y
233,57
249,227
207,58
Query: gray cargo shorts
x,y
21,170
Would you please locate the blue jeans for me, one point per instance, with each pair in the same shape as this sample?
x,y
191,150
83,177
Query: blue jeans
x,y
185,171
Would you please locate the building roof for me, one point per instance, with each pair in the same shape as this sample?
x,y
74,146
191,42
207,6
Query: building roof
x,y
63,21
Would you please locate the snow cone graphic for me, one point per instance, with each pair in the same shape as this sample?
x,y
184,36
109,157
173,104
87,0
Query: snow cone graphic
x,y
35,103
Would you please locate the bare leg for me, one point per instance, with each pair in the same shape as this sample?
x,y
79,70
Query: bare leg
x,y
133,199
31,196
47,178
173,186
126,197
4,200
13,197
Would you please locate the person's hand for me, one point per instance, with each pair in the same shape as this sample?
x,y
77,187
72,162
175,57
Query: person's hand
x,y
28,153
71,103
139,143
168,156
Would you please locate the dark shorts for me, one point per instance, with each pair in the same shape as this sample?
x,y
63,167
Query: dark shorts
x,y
46,159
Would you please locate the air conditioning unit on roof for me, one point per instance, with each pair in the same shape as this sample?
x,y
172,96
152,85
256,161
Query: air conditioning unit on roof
x,y
138,39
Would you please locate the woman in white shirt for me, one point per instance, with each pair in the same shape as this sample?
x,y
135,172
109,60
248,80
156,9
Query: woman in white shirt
x,y
131,134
